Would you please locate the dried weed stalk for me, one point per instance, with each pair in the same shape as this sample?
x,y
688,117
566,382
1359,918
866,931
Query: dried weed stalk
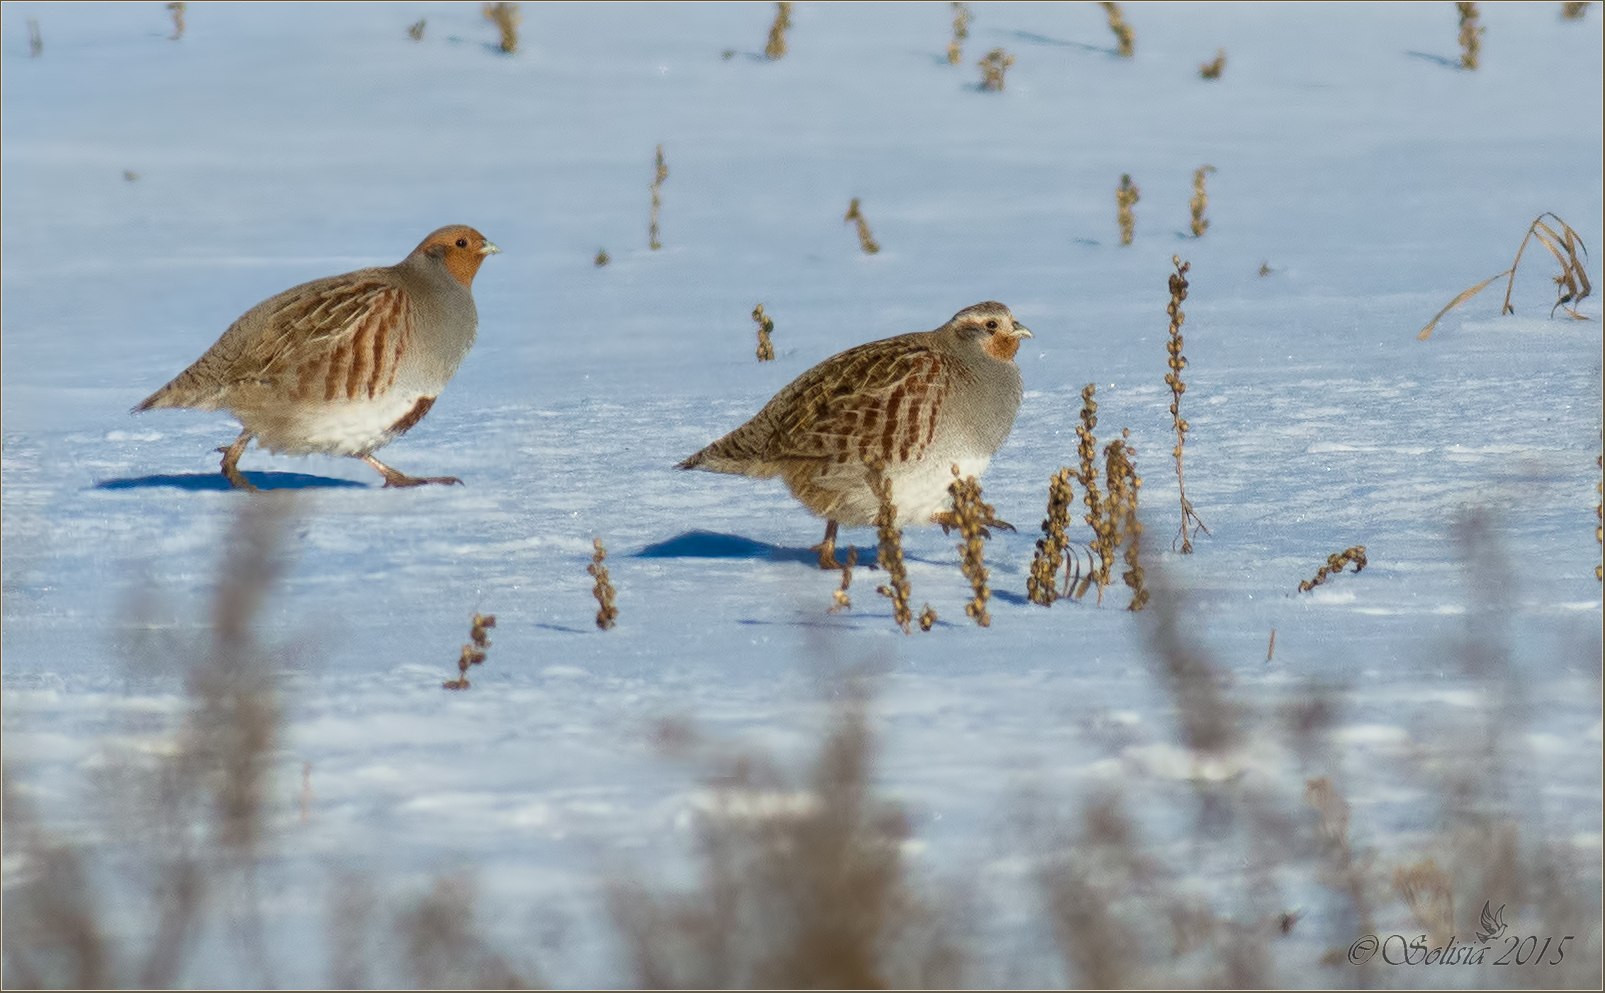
x,y
800,882
472,653
660,172
994,66
177,8
866,241
1121,508
1571,285
36,41
1200,201
1429,893
416,30
891,547
961,31
1173,379
1101,547
602,258
1573,10
506,17
1054,543
971,515
607,612
840,600
776,46
1214,67
1334,564
928,618
1470,34
1126,196
1122,30
766,327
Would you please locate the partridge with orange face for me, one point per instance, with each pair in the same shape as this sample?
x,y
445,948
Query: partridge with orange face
x,y
917,405
342,365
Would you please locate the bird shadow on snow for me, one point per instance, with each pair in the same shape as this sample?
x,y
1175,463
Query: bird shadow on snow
x,y
200,482
716,545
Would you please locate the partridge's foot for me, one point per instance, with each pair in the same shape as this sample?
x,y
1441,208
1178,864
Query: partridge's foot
x,y
827,548
949,520
395,477
231,463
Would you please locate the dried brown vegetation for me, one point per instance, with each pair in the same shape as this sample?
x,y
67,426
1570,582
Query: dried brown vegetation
x,y
1126,196
1571,284
660,172
177,8
961,31
766,327
1120,475
890,554
775,47
1214,67
415,31
1054,544
506,17
1200,201
971,515
1471,31
36,40
1573,10
1123,36
1334,565
1173,379
473,653
607,612
602,258
866,241
840,600
994,67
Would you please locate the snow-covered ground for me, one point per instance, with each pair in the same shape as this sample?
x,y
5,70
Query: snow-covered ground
x,y
277,143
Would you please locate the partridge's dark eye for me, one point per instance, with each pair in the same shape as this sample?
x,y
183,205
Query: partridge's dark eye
x,y
462,242
992,325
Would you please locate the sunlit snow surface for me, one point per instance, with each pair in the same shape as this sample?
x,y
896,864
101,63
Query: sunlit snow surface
x,y
274,144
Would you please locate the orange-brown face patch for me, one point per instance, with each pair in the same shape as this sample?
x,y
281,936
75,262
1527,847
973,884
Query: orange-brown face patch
x,y
1002,347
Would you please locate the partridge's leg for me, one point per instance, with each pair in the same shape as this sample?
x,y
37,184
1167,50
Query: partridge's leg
x,y
394,477
231,462
827,548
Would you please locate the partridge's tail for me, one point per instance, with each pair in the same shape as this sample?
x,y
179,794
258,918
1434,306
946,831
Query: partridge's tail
x,y
731,455
194,388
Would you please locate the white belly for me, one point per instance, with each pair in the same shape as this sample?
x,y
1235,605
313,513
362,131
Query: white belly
x,y
348,428
919,489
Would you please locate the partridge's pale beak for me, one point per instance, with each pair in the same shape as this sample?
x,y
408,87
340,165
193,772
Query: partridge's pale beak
x,y
489,249
1021,331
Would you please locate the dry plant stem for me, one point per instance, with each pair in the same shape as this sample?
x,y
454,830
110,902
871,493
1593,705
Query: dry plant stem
x,y
776,46
928,618
1213,68
1470,34
473,653
1334,564
1122,30
891,548
660,172
1200,201
766,326
866,241
994,66
506,17
607,612
972,515
602,258
1270,649
177,8
416,30
1052,546
840,600
1123,527
1126,197
1103,555
36,41
961,31
1173,379
1573,10
1571,285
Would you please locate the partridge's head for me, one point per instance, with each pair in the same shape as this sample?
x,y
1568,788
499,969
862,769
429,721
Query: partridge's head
x,y
459,248
993,326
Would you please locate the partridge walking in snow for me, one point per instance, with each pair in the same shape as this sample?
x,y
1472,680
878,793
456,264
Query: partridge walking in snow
x,y
342,365
917,404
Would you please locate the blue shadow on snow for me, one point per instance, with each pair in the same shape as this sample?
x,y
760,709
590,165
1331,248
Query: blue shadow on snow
x,y
200,482
713,545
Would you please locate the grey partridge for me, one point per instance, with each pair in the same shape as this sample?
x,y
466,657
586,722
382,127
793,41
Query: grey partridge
x,y
916,405
342,365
